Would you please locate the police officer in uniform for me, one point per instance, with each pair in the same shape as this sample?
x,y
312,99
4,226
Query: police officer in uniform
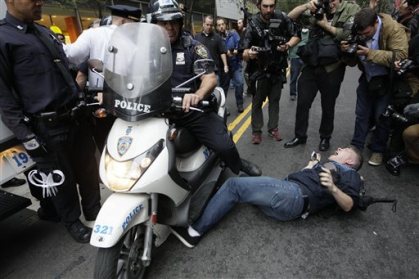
x,y
208,128
37,101
270,63
92,44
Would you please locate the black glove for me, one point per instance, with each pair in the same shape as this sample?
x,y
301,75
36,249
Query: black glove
x,y
34,148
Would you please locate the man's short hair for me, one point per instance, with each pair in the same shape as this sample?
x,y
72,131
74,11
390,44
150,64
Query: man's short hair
x,y
359,158
259,2
221,18
208,17
364,18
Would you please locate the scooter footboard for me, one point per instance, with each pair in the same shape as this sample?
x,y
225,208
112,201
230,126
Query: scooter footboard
x,y
118,214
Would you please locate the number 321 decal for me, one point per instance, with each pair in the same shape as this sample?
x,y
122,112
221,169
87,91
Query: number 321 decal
x,y
103,229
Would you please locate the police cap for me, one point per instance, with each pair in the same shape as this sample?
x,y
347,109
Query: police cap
x,y
125,11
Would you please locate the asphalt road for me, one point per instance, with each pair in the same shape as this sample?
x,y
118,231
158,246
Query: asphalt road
x,y
246,244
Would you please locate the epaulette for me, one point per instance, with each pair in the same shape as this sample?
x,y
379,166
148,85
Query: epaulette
x,y
187,41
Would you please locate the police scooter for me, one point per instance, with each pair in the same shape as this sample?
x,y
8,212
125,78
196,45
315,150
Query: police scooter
x,y
160,176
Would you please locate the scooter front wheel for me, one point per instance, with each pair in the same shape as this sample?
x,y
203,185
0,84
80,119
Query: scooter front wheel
x,y
122,261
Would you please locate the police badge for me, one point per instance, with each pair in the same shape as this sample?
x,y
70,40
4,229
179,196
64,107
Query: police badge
x,y
201,51
124,143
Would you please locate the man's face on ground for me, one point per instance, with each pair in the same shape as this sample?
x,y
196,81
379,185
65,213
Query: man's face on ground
x,y
267,8
207,26
221,26
343,155
172,28
25,10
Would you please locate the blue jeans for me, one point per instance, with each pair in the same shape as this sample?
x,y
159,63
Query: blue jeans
x,y
237,79
279,199
366,104
296,65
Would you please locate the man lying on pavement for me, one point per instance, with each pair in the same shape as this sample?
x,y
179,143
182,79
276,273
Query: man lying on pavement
x,y
305,192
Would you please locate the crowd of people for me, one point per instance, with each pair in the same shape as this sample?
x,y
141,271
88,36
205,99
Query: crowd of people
x,y
39,94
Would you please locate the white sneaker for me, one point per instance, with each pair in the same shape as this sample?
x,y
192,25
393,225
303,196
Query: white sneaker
x,y
376,159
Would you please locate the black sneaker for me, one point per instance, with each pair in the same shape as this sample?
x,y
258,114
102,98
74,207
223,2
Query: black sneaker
x,y
79,231
183,235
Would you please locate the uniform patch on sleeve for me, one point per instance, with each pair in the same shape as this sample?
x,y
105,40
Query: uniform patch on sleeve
x,y
201,51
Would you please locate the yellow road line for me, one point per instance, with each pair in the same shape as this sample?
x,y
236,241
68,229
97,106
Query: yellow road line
x,y
237,135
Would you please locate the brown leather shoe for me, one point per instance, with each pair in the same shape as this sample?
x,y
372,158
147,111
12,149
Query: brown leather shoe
x,y
256,138
274,133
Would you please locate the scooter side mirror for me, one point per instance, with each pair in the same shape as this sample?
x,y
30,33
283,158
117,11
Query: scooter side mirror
x,y
95,65
203,66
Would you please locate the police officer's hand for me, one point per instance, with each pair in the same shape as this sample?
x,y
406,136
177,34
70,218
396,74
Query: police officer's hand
x,y
190,100
326,180
34,147
362,50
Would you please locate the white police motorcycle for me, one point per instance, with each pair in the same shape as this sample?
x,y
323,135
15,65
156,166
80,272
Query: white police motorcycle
x,y
160,176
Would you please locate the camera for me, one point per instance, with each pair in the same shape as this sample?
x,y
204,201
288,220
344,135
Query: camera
x,y
354,39
275,32
333,171
391,113
406,65
322,8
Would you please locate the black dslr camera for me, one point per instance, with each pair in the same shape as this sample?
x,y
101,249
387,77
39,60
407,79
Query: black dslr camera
x,y
275,32
354,40
322,8
391,113
406,65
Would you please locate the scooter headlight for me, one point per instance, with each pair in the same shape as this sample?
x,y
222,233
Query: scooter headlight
x,y
122,176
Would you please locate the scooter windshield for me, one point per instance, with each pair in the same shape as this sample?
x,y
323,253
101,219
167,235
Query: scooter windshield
x,y
137,69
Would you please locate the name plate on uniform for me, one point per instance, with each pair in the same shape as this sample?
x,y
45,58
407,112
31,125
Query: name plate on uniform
x,y
18,158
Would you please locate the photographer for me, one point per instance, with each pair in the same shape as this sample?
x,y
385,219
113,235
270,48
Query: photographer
x,y
410,135
305,192
385,41
268,37
323,70
411,142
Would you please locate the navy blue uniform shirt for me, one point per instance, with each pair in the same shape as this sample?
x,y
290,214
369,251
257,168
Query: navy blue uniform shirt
x,y
349,182
185,52
27,67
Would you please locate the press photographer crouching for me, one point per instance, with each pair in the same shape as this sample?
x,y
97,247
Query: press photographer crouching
x,y
323,68
408,122
410,139
385,41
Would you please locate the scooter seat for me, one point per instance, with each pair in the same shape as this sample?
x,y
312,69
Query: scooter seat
x,y
185,142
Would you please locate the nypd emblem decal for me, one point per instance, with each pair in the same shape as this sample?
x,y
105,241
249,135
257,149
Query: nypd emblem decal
x,y
124,144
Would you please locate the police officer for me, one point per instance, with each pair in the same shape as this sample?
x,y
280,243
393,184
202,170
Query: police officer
x,y
92,44
209,128
36,102
271,63
323,70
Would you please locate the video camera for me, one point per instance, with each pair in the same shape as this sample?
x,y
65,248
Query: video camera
x,y
322,8
272,37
